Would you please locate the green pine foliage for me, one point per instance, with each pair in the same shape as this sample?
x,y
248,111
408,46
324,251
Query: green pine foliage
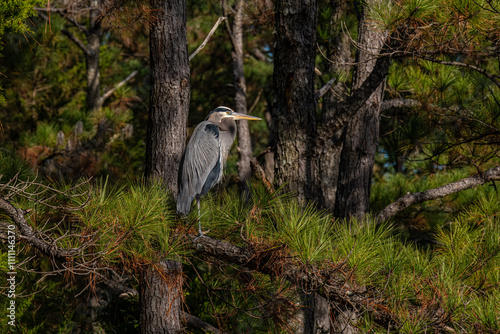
x,y
12,164
14,14
46,96
456,121
134,223
456,271
127,226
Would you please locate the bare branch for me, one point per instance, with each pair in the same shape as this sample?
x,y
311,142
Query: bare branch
x,y
125,291
258,54
350,106
258,171
21,189
224,5
31,235
110,92
399,103
75,40
323,90
404,202
42,194
255,102
63,13
69,34
492,10
207,38
195,322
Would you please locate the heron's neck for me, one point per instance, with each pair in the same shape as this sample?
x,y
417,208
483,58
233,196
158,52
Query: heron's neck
x,y
229,125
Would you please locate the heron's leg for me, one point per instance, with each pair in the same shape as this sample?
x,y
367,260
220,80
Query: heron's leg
x,y
200,232
199,216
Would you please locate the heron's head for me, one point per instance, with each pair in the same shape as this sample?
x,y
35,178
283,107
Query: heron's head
x,y
220,114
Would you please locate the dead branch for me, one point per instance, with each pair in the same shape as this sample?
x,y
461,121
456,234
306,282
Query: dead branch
x,y
259,173
64,13
110,92
39,193
323,90
404,202
399,103
31,235
207,38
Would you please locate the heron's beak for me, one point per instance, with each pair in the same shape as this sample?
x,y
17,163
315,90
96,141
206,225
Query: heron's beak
x,y
244,116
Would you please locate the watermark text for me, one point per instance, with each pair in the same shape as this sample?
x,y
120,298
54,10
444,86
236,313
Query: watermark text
x,y
11,274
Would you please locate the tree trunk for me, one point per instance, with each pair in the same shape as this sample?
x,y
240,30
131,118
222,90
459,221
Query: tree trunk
x,y
310,159
169,98
339,49
316,317
362,132
92,58
240,96
161,298
294,121
161,290
294,113
322,318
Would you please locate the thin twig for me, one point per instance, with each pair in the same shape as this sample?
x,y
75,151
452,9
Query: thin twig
x,y
63,13
110,92
255,102
207,38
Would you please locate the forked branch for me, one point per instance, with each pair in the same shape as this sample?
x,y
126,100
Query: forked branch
x,y
31,235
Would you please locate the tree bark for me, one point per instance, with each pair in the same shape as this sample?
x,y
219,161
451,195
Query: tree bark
x,y
362,131
240,95
169,98
315,314
294,112
339,51
307,157
161,297
294,122
94,33
161,289
320,319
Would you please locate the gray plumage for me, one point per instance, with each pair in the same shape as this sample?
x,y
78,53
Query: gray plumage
x,y
206,153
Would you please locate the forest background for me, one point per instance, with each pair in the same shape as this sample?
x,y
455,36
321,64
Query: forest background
x,y
374,209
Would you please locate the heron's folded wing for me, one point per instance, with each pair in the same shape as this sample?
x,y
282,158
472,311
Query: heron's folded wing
x,y
201,157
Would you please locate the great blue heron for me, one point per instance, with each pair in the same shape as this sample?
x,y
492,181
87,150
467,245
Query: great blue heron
x,y
205,156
